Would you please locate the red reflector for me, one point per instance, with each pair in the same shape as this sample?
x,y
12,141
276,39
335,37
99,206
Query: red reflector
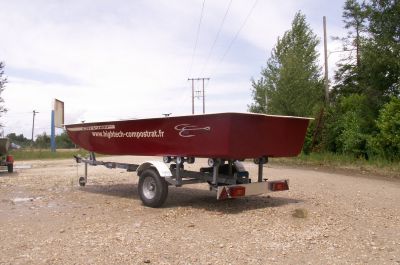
x,y
279,186
10,159
237,191
223,194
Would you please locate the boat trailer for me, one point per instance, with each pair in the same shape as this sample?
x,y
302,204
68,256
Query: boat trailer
x,y
228,179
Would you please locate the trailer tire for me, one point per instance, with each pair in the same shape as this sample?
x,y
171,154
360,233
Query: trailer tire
x,y
82,181
153,189
10,168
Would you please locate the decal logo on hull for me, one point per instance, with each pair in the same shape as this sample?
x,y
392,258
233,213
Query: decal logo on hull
x,y
92,128
188,130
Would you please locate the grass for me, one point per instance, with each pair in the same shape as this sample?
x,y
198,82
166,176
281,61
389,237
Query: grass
x,y
374,166
39,154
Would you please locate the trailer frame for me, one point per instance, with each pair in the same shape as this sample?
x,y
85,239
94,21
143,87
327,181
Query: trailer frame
x,y
228,179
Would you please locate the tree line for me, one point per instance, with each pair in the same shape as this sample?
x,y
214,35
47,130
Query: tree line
x,y
362,116
42,141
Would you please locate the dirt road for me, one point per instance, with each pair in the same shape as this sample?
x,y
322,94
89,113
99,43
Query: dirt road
x,y
46,218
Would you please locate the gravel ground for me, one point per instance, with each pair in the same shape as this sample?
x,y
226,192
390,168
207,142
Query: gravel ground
x,y
46,218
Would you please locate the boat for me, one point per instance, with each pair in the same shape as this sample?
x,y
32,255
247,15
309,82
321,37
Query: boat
x,y
220,135
223,138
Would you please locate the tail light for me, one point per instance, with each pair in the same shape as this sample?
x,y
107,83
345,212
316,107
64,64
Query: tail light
x,y
232,192
10,159
279,185
237,191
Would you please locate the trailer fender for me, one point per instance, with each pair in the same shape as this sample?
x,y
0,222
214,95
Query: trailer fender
x,y
163,169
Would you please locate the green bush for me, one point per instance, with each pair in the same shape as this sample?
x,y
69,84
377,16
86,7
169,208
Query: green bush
x,y
352,138
42,141
347,126
308,140
386,142
63,141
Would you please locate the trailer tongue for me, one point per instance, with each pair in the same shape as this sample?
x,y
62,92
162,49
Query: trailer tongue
x,y
225,139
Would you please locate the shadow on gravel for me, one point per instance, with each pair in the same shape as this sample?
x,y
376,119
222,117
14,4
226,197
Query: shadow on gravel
x,y
117,190
196,198
206,200
4,173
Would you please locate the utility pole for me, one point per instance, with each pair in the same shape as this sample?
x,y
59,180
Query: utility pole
x,y
321,113
326,64
53,133
204,99
203,93
192,94
33,124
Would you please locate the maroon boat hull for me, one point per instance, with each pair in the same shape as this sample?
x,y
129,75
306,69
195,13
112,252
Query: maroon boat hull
x,y
223,135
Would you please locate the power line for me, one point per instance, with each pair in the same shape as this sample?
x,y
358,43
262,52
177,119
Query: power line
x,y
212,47
238,32
197,37
184,96
217,36
11,113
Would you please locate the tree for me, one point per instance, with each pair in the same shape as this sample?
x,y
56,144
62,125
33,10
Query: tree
x,y
381,57
3,82
387,142
347,78
43,141
19,139
374,35
63,141
354,16
366,81
291,83
347,126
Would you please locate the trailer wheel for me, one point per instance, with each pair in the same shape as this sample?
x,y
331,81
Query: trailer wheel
x,y
153,189
10,168
82,181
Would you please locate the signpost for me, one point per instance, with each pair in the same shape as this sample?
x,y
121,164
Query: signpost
x,y
57,120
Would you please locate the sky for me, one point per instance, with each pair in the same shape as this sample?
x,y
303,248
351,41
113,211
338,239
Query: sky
x,y
112,60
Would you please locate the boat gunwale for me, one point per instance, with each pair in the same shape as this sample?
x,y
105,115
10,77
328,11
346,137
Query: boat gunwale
x,y
194,115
